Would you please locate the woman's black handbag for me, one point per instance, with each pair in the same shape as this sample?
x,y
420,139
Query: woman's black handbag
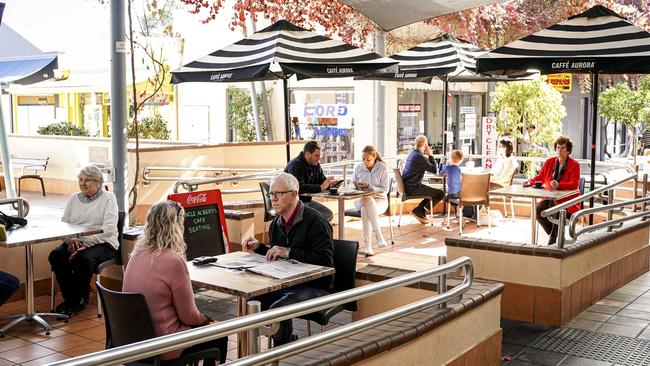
x,y
10,222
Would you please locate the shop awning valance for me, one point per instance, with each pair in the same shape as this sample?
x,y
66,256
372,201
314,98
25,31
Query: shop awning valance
x,y
27,70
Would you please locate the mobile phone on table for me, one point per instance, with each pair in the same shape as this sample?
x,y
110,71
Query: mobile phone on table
x,y
204,260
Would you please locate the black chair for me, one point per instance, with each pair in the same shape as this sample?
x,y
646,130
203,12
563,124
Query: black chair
x,y
345,264
117,260
401,194
269,212
357,213
127,320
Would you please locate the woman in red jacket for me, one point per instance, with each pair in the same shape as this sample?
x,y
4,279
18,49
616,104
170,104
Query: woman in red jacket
x,y
558,173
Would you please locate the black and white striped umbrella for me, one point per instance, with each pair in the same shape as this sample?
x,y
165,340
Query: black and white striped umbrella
x,y
445,57
279,51
596,41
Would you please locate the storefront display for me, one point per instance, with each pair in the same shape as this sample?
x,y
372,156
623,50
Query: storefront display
x,y
326,116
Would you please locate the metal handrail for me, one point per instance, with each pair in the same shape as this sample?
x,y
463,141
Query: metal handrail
x,y
156,346
263,173
587,211
563,206
19,204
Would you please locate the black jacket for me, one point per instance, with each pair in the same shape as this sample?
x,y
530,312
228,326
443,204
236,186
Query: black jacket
x,y
415,166
310,240
310,177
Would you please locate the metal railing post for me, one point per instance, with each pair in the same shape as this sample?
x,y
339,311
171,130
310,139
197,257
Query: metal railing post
x,y
442,280
636,187
345,173
645,192
610,212
254,334
560,229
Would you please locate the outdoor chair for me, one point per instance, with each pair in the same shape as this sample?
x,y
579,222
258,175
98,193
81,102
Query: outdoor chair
x,y
345,264
357,213
473,192
127,320
401,194
269,212
512,204
117,260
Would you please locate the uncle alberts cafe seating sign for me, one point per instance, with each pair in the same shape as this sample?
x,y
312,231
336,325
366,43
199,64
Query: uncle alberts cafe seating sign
x,y
205,223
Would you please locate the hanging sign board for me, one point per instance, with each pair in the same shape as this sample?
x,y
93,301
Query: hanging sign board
x,y
490,137
561,82
205,223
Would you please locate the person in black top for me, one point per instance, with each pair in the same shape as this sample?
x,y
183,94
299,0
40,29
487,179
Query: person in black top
x,y
297,232
306,168
421,160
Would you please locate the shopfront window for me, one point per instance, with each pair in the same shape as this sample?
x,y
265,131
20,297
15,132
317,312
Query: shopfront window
x,y
326,116
469,112
410,118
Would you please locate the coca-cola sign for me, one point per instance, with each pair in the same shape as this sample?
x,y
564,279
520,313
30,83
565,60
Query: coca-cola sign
x,y
194,199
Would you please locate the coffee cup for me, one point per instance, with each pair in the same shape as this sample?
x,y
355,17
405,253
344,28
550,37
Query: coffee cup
x,y
334,190
538,185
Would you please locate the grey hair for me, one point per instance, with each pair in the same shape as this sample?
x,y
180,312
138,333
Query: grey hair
x,y
289,181
92,172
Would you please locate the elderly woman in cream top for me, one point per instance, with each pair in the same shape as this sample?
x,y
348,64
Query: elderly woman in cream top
x,y
73,261
373,174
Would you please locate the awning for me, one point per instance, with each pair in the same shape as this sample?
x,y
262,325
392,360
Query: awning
x,y
28,69
391,14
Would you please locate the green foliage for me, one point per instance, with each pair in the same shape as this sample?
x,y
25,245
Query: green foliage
x,y
63,128
619,103
531,110
154,127
240,114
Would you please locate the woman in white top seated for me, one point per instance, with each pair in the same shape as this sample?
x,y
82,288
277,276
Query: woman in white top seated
x,y
504,167
373,174
73,261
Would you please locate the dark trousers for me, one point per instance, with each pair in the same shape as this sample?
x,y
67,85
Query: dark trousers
x,y
8,285
220,343
550,228
286,297
422,190
74,276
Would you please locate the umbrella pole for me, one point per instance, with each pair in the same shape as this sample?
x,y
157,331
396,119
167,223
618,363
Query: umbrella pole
x,y
594,131
287,117
445,91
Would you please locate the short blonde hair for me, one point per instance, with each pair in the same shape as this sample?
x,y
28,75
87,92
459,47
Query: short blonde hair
x,y
457,156
163,229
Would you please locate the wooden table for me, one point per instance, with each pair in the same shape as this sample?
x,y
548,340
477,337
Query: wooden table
x,y
341,198
534,194
38,232
245,285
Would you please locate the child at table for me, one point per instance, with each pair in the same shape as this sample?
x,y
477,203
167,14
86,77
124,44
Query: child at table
x,y
453,173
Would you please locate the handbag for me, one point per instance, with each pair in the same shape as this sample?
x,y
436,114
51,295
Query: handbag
x,y
10,222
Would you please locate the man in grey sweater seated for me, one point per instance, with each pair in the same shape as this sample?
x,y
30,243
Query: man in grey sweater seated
x,y
74,261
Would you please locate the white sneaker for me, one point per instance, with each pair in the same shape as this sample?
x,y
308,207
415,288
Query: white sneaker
x,y
382,245
369,251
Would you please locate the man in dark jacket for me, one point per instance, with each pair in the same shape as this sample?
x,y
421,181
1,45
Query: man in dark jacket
x,y
306,168
299,233
421,160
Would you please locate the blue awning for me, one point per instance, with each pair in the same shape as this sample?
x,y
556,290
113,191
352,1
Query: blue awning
x,y
28,70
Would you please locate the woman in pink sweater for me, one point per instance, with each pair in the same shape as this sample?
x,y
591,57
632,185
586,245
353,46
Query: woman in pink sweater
x,y
157,269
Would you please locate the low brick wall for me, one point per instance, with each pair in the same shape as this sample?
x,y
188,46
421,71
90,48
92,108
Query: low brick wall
x,y
548,285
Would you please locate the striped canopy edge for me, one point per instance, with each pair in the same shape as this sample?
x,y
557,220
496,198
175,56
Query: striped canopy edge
x,y
445,57
279,51
598,40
